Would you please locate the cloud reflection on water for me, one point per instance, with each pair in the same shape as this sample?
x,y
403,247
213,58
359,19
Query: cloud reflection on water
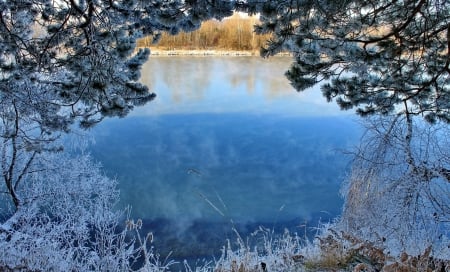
x,y
239,121
255,144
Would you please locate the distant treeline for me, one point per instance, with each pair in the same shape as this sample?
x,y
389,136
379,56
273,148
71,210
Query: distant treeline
x,y
235,33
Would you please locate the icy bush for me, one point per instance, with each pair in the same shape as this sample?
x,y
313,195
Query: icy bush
x,y
398,188
267,253
67,222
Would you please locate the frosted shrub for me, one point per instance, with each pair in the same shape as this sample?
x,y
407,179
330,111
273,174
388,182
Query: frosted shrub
x,y
67,222
397,192
269,253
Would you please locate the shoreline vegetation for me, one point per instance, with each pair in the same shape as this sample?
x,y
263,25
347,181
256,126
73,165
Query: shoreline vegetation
x,y
200,52
234,36
206,53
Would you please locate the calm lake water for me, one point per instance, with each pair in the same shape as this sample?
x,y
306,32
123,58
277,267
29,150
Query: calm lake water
x,y
227,143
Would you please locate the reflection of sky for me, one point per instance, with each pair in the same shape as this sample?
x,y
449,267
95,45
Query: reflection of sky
x,y
239,122
227,84
252,164
254,143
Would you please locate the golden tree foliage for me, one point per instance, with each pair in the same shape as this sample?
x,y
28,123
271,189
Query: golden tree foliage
x,y
234,33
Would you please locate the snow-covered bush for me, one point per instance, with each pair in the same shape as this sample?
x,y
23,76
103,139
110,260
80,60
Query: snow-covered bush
x,y
67,220
264,252
397,194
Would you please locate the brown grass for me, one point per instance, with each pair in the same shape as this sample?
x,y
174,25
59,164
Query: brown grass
x,y
234,34
343,252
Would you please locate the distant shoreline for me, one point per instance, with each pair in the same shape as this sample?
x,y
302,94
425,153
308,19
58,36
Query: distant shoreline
x,y
199,52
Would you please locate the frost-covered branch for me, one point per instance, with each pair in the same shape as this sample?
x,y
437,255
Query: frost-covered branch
x,y
397,192
372,56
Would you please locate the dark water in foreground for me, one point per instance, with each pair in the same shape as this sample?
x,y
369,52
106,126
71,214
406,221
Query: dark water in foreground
x,y
227,144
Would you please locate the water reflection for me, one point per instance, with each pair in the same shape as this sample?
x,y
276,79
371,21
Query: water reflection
x,y
227,84
226,140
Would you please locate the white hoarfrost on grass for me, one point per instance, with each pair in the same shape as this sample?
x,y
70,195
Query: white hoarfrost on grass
x,y
267,253
67,221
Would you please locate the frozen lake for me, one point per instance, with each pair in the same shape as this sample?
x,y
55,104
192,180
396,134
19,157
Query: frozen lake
x,y
226,143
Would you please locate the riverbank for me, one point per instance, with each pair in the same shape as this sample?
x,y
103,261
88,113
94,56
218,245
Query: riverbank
x,y
212,53
158,52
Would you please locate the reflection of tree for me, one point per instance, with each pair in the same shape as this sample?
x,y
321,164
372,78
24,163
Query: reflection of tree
x,y
177,86
243,73
187,78
277,85
251,71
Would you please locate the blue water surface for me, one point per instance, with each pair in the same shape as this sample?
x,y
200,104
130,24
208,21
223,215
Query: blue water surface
x,y
226,144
